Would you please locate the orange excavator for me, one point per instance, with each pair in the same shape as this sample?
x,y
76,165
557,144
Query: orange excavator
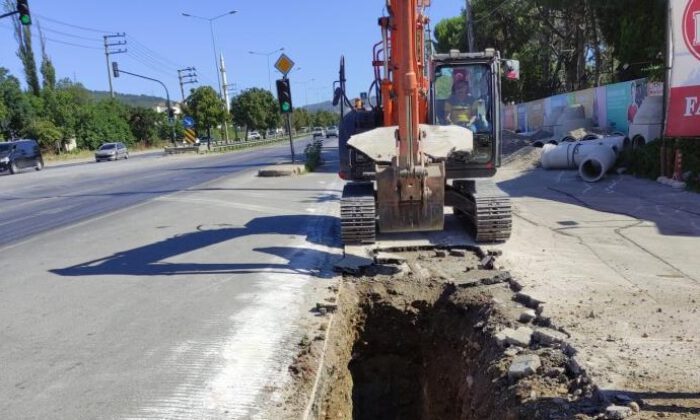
x,y
431,138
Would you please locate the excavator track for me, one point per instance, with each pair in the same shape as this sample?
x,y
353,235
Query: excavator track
x,y
486,207
358,215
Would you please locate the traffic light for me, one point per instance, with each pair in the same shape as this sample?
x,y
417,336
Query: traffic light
x,y
23,10
115,69
284,96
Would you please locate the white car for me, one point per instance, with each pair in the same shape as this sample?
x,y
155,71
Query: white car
x,y
254,135
332,131
318,132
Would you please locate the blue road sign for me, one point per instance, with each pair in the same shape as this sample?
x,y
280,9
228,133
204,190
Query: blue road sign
x,y
188,122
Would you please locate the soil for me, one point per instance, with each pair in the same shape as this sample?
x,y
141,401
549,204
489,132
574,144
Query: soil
x,y
410,341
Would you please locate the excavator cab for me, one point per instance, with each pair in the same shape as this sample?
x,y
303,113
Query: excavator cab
x,y
465,88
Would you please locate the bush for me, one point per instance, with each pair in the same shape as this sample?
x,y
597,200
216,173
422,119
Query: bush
x,y
645,161
312,152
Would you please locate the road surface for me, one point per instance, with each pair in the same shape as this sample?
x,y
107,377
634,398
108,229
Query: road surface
x,y
168,288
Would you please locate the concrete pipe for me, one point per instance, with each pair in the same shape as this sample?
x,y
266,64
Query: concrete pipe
x,y
617,143
597,163
564,156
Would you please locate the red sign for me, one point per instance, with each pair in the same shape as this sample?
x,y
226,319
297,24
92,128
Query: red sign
x,y
684,112
691,27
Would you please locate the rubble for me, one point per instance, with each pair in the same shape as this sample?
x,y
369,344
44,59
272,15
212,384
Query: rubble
x,y
617,412
524,365
548,336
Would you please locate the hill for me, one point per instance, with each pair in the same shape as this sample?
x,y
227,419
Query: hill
x,y
145,101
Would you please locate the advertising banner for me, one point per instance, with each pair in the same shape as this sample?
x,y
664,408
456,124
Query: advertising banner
x,y
683,111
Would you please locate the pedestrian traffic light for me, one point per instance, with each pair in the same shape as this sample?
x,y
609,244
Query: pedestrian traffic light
x,y
284,96
115,69
23,10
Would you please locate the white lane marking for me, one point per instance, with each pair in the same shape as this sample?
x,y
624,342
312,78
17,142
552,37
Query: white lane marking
x,y
559,177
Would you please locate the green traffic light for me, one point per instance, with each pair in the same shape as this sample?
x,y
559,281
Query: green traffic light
x,y
285,106
25,19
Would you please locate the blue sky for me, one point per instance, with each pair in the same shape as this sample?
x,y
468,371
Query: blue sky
x,y
313,33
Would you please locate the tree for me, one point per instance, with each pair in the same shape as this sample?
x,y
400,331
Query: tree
x,y
48,71
103,121
144,124
45,131
255,109
23,35
206,107
450,34
18,108
301,119
564,45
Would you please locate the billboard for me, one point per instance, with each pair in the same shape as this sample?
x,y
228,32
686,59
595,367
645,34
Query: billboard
x,y
683,110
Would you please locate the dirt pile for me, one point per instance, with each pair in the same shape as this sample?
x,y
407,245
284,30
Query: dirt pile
x,y
411,341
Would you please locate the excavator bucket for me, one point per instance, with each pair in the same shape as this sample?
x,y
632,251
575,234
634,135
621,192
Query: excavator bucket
x,y
411,203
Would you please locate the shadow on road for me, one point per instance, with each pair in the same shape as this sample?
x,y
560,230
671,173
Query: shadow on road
x,y
150,260
675,213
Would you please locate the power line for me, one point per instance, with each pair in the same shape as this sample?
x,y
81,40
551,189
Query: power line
x,y
494,10
72,44
156,55
43,28
82,28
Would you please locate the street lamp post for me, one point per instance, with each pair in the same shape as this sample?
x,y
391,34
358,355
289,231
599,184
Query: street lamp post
x,y
216,61
269,76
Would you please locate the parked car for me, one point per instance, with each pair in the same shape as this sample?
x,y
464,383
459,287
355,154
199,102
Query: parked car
x,y
20,154
319,132
254,135
111,151
332,131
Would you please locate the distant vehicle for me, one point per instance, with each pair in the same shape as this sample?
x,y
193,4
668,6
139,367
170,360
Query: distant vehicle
x,y
254,135
111,151
319,132
203,140
20,154
332,131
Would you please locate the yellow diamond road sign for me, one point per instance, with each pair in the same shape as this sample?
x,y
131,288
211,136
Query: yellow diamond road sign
x,y
284,64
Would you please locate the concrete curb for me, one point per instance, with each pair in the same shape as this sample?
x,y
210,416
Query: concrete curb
x,y
282,170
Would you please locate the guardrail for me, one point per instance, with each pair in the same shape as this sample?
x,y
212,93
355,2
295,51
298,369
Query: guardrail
x,y
222,145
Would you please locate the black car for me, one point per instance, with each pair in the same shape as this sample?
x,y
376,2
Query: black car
x,y
20,154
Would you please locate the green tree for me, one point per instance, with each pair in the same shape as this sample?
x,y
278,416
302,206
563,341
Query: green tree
x,y
206,107
145,123
301,118
18,107
23,35
102,122
64,104
48,71
450,34
45,131
256,109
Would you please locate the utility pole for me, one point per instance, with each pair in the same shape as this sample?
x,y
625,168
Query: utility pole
x,y
470,26
109,50
186,76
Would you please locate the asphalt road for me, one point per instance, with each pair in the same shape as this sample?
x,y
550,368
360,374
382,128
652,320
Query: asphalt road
x,y
34,202
173,287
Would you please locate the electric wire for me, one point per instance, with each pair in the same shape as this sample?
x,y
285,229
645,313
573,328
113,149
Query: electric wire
x,y
82,28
